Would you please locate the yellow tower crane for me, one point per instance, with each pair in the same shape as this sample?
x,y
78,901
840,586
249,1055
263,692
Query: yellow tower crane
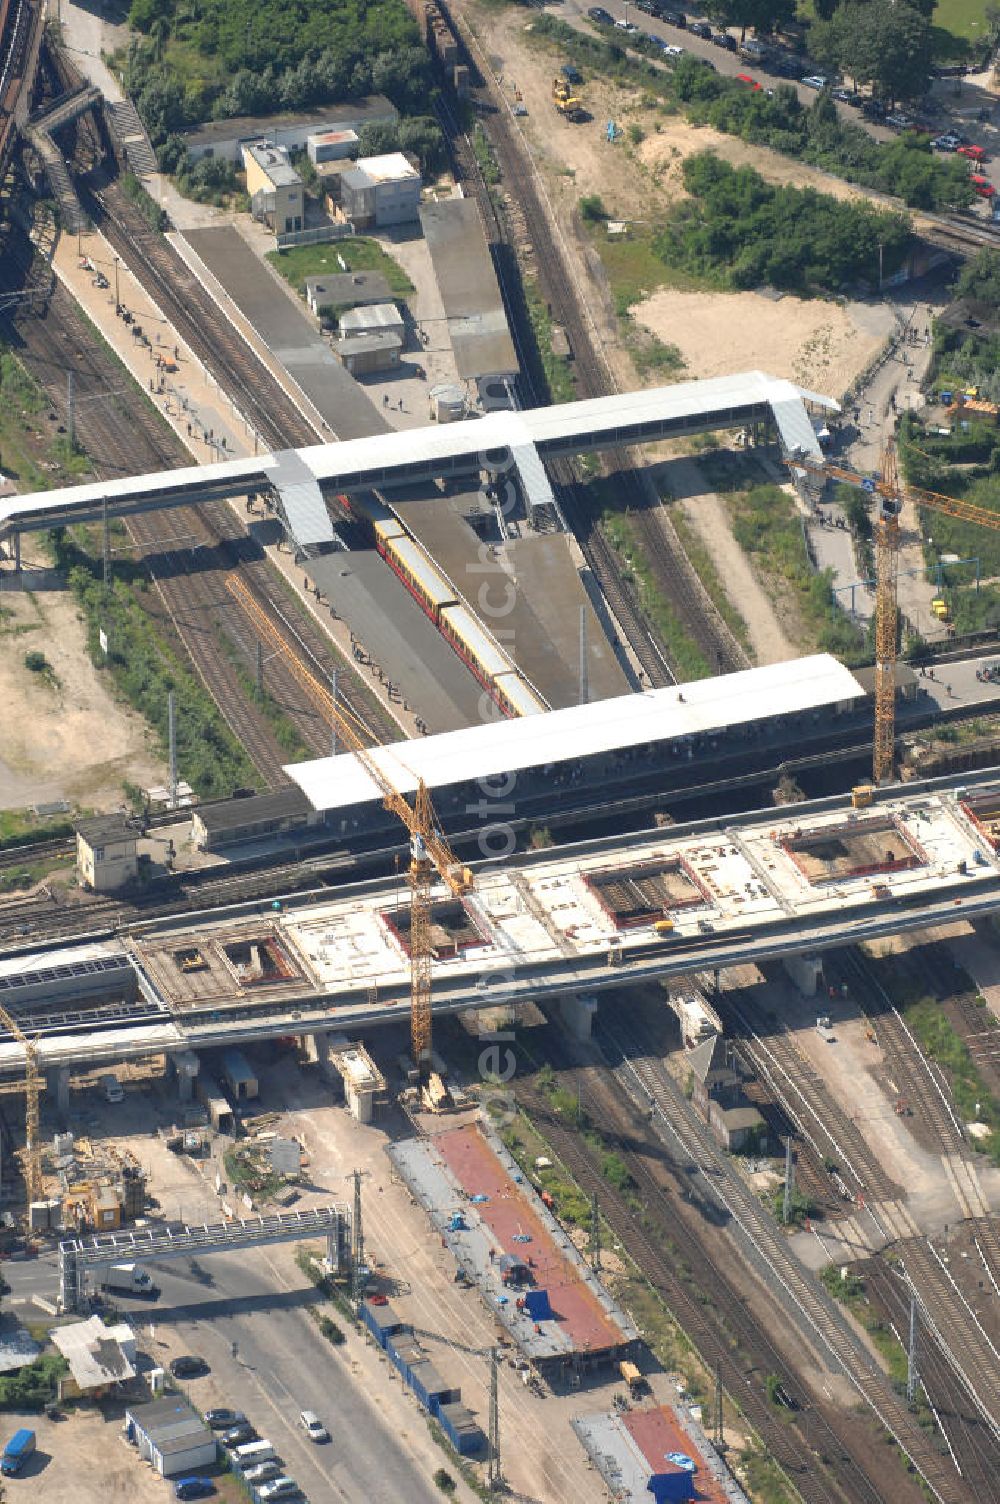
x,y
429,851
33,1143
890,493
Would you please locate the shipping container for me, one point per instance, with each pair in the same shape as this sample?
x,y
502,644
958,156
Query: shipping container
x,y
461,1430
382,1322
430,1388
239,1075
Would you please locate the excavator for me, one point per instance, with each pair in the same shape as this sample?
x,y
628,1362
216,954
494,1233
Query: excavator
x,y
566,102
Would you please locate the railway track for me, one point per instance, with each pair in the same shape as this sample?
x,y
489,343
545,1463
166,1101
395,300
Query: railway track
x,y
714,1314
972,1444
920,1085
570,493
678,580
645,1078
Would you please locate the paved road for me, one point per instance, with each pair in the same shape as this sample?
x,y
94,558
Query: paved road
x,y
283,1365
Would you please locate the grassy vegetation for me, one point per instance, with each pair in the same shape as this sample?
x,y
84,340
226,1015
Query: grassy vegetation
x,y
687,658
246,1172
940,1040
358,252
765,1480
485,156
558,369
849,1289
145,665
31,454
21,827
768,527
704,566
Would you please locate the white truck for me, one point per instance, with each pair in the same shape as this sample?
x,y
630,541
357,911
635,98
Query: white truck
x,y
130,1279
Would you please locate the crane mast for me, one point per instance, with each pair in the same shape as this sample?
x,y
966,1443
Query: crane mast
x,y
430,853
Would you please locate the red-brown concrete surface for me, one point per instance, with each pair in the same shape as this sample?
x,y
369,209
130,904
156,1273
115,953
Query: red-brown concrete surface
x,y
479,1172
655,1433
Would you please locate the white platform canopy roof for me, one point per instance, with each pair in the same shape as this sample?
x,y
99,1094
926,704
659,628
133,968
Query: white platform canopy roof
x,y
387,459
509,746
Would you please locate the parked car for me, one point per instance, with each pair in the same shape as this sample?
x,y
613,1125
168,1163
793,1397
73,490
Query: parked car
x,y
744,78
188,1367
263,1472
193,1488
974,153
627,26
844,96
873,109
648,7
313,1426
814,81
571,74
700,29
238,1436
601,16
673,17
672,50
945,143
280,1488
899,121
725,40
224,1420
982,185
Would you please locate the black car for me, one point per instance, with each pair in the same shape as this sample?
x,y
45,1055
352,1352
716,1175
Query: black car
x,y
726,40
674,18
601,16
700,29
648,7
224,1420
873,109
188,1367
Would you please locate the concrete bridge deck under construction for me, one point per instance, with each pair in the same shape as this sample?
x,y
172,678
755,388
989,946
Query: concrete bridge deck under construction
x,y
544,925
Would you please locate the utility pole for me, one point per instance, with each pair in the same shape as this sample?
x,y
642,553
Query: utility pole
x,y
584,665
105,546
912,1371
595,1235
172,740
493,1480
718,1434
333,714
786,1210
71,411
260,670
357,1240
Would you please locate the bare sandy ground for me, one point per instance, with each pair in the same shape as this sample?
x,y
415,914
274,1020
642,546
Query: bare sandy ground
x,y
821,345
63,735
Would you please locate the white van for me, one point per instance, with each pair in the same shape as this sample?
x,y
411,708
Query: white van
x,y
252,1453
112,1089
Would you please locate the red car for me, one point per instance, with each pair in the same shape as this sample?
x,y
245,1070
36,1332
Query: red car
x,y
982,185
974,153
744,78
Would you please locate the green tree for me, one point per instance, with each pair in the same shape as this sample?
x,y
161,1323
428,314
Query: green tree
x,y
980,278
765,16
885,44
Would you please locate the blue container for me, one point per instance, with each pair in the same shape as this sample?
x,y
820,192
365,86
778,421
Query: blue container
x,y
461,1430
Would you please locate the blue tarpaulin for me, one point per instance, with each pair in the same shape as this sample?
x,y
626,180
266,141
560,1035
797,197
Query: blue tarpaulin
x,y
536,1303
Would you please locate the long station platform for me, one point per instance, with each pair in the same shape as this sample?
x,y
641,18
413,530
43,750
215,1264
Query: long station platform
x,y
540,926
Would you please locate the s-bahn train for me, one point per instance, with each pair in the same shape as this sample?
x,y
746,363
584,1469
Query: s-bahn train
x,y
495,669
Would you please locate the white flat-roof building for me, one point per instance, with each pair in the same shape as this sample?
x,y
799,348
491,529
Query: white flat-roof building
x,y
381,191
171,1436
817,684
223,138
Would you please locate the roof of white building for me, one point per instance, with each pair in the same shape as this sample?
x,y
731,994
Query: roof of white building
x,y
507,746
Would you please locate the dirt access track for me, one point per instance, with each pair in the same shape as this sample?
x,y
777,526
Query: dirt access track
x,y
820,344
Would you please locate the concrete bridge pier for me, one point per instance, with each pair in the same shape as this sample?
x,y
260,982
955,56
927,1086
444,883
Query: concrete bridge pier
x,y
577,1010
187,1066
805,972
57,1081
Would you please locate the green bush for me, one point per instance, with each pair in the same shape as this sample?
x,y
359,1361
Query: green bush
x,y
34,1386
36,662
444,1481
592,209
737,230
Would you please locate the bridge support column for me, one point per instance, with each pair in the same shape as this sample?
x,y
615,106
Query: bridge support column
x,y
17,552
805,972
577,1011
58,1085
187,1066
